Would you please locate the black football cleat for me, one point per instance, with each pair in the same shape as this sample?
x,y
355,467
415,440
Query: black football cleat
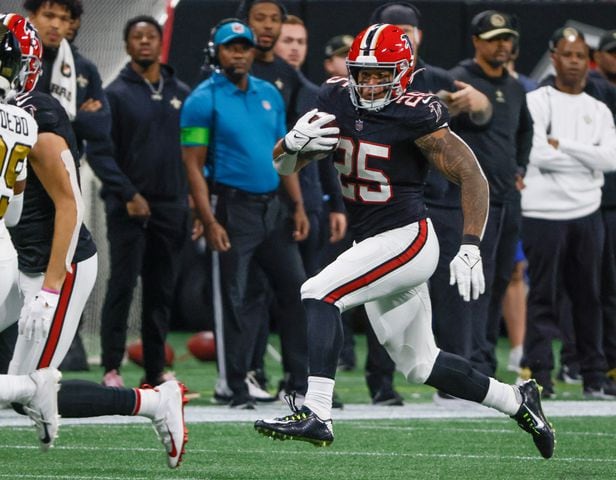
x,y
530,418
302,424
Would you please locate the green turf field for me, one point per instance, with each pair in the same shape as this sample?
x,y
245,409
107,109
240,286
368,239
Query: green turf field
x,y
491,448
410,449
350,386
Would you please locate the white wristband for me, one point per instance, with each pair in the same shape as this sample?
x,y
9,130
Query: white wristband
x,y
285,163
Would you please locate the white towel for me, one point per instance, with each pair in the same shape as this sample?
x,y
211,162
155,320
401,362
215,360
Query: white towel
x,y
63,83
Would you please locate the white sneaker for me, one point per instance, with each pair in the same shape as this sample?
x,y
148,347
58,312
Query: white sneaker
x,y
169,376
515,358
255,390
113,379
43,407
169,421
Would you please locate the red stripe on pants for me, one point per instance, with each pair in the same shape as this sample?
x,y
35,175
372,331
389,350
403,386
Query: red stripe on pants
x,y
137,401
383,269
55,330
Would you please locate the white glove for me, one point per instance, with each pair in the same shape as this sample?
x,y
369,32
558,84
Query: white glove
x,y
36,316
466,270
307,136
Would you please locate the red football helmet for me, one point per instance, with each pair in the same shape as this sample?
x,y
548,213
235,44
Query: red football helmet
x,y
384,47
31,50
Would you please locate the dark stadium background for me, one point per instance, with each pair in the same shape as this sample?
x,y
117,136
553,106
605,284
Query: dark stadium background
x,y
445,25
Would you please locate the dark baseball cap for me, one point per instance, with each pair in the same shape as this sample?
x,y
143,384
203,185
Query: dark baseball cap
x,y
568,33
338,46
397,13
607,43
490,24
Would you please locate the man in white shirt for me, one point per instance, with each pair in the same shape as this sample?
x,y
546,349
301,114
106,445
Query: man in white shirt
x,y
574,142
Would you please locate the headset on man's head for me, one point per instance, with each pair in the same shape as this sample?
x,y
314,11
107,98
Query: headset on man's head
x,y
211,53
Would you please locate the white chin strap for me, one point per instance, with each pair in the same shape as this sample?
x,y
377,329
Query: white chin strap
x,y
373,104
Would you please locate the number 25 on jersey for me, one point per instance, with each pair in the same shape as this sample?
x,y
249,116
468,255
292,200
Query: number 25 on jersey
x,y
359,182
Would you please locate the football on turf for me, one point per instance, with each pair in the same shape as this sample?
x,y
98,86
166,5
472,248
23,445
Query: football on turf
x,y
202,345
310,156
134,351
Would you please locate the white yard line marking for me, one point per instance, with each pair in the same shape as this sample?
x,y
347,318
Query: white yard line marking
x,y
70,477
475,430
329,452
80,477
203,414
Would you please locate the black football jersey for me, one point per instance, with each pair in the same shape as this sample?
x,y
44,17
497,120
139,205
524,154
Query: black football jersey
x,y
381,170
33,234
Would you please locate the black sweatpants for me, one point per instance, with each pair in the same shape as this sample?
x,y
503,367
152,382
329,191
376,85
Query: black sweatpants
x,y
259,231
470,329
569,253
498,252
451,316
608,287
151,249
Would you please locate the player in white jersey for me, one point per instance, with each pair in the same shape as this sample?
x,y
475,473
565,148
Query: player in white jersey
x,y
18,132
37,392
57,265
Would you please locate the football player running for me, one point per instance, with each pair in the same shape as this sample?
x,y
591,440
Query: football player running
x,y
388,136
37,392
58,265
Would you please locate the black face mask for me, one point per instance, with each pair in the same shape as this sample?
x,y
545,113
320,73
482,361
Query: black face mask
x,y
145,62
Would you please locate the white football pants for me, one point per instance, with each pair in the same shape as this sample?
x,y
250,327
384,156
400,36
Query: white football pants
x,y
388,273
30,355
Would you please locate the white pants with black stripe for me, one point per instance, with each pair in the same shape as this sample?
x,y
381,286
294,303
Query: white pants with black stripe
x,y
30,355
388,273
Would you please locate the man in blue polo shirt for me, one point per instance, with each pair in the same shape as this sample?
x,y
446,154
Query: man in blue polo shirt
x,y
233,120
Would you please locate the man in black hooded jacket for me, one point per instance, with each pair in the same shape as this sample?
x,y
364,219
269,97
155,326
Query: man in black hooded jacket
x,y
147,233
502,149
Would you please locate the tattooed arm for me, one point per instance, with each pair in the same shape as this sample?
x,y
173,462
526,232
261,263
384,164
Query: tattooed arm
x,y
458,163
